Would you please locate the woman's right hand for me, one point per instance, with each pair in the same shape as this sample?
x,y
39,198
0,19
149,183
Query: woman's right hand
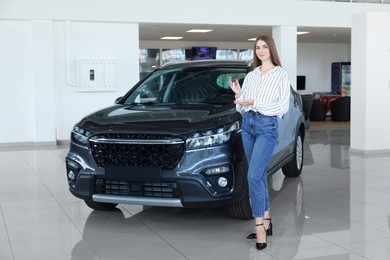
x,y
235,86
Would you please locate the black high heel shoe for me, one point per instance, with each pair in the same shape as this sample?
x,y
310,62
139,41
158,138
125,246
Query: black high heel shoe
x,y
268,230
261,246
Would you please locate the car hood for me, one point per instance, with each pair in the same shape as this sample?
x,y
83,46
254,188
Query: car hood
x,y
162,119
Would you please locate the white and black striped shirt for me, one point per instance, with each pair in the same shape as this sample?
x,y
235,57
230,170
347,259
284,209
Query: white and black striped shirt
x,y
271,92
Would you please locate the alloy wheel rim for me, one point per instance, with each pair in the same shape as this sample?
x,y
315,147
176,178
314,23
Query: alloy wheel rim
x,y
299,152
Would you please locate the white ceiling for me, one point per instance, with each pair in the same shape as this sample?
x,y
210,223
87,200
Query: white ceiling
x,y
237,33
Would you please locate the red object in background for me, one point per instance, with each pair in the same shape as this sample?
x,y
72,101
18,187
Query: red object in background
x,y
326,97
329,99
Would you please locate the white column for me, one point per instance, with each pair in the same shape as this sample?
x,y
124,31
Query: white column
x,y
370,84
43,82
286,43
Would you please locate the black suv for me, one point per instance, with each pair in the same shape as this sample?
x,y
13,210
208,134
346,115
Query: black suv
x,y
175,140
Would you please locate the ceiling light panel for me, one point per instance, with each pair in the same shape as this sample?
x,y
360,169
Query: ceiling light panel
x,y
199,30
171,38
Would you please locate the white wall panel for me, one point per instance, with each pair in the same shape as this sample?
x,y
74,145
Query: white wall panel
x,y
370,122
251,12
17,102
92,41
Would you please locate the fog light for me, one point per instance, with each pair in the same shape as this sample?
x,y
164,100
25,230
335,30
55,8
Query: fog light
x,y
72,164
71,175
222,182
218,170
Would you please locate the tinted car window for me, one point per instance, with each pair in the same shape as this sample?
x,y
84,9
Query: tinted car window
x,y
183,86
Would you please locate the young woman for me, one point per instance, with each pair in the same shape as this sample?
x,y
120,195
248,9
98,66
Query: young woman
x,y
264,97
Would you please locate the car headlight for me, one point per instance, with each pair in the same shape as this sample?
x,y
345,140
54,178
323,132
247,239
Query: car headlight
x,y
212,137
80,135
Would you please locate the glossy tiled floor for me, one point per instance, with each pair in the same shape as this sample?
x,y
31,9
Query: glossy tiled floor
x,y
338,209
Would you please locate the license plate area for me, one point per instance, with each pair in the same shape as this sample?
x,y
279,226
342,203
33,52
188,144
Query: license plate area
x,y
133,173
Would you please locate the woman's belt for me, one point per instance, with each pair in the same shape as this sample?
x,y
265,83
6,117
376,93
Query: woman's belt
x,y
255,113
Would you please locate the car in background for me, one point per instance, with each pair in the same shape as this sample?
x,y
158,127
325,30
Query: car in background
x,y
174,139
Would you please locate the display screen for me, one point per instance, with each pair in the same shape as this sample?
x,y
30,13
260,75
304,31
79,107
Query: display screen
x,y
301,82
203,53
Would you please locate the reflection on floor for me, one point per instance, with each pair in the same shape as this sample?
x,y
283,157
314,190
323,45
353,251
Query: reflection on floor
x,y
328,124
338,209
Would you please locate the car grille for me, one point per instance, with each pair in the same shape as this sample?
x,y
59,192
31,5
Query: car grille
x,y
137,150
146,189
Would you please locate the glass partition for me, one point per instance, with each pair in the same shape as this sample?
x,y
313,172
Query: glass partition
x,y
246,54
226,54
169,55
148,60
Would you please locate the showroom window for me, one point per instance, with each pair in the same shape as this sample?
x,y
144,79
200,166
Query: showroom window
x,y
227,54
148,60
152,58
246,54
169,55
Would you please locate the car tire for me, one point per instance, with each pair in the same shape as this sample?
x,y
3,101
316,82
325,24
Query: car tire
x,y
294,167
242,209
100,206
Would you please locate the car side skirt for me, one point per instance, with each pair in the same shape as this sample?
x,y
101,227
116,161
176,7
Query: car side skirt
x,y
280,164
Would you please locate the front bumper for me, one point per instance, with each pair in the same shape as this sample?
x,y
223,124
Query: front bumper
x,y
181,193
193,183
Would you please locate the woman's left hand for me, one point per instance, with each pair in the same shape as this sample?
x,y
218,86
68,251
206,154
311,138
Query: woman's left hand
x,y
248,102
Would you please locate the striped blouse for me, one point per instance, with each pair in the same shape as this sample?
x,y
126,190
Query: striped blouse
x,y
271,92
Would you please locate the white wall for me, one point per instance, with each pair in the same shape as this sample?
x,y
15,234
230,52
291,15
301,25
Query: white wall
x,y
250,12
370,123
36,99
315,61
17,100
43,81
91,41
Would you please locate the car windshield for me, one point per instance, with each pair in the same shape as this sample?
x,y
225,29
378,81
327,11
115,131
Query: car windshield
x,y
187,86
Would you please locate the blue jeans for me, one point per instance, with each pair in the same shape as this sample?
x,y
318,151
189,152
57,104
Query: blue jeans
x,y
259,136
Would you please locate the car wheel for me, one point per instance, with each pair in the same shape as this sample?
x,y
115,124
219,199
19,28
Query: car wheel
x,y
294,167
242,209
100,206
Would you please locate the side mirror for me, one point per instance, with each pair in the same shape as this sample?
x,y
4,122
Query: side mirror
x,y
117,100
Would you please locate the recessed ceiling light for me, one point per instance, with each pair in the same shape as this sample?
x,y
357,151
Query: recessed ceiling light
x,y
300,33
252,39
171,38
199,30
